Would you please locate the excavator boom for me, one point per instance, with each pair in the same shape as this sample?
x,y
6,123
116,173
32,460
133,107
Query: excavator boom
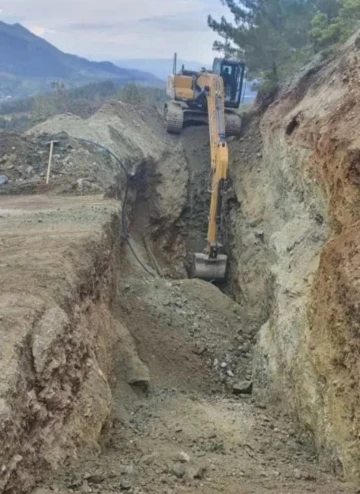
x,y
209,97
211,265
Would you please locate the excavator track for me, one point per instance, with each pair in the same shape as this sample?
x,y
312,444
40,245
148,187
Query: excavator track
x,y
174,118
233,124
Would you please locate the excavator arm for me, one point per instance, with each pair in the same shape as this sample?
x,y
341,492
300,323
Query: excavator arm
x,y
211,265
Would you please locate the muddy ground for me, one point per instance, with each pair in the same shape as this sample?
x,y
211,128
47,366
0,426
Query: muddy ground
x,y
118,373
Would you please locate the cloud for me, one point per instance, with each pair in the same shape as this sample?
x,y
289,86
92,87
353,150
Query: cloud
x,y
185,23
91,26
115,29
38,30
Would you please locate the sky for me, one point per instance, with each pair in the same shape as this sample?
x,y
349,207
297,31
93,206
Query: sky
x,y
120,29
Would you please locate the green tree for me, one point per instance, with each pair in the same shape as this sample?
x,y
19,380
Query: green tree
x,y
278,36
130,93
324,30
334,22
350,9
272,33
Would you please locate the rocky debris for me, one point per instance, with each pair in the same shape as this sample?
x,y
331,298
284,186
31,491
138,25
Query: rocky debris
x,y
77,167
85,488
42,490
260,234
45,490
86,186
125,485
303,475
140,382
242,387
7,162
188,471
95,478
195,473
199,348
148,459
213,332
3,179
183,457
178,470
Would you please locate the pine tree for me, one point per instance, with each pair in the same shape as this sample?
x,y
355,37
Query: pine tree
x,y
273,33
334,22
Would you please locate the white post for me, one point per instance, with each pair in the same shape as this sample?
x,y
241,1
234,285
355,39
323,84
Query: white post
x,y
50,160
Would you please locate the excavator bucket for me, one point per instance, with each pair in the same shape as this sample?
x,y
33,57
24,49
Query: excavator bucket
x,y
209,269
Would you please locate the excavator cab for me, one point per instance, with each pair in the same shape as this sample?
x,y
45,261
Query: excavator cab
x,y
233,74
188,102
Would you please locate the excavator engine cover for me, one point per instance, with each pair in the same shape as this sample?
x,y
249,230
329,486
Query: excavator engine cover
x,y
209,269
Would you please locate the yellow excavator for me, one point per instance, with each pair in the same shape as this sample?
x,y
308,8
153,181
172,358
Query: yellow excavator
x,y
212,97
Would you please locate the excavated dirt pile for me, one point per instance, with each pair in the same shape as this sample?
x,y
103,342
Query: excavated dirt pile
x,y
294,231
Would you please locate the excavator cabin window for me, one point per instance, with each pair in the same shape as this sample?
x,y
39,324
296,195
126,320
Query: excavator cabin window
x,y
233,73
227,73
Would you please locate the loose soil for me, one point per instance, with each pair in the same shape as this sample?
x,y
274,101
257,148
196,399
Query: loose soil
x,y
184,430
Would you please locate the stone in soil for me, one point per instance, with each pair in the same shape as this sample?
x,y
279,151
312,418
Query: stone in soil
x,y
242,387
125,485
178,470
183,457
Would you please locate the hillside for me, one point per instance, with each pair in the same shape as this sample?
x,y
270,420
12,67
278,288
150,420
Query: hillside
x,y
28,64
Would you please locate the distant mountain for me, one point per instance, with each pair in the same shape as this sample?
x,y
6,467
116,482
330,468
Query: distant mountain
x,y
160,67
28,64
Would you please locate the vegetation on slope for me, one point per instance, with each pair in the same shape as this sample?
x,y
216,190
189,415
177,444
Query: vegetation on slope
x,y
276,37
82,101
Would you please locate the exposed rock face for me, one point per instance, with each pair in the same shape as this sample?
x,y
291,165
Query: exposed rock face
x,y
299,280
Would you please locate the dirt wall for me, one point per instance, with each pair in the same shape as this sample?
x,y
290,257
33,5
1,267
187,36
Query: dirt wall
x,y
60,263
294,253
57,334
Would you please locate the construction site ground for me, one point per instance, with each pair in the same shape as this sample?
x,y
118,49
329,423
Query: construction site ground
x,y
181,416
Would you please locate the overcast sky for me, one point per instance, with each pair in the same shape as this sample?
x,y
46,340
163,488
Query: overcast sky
x,y
116,29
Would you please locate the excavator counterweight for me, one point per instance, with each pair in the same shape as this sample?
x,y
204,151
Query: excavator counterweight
x,y
209,97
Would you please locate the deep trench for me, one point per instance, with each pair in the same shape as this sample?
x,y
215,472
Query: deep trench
x,y
196,145
152,332
191,227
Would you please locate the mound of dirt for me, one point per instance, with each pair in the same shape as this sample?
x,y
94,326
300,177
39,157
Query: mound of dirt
x,y
134,135
76,168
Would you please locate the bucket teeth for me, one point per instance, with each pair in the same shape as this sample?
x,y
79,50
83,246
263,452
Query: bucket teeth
x,y
209,269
